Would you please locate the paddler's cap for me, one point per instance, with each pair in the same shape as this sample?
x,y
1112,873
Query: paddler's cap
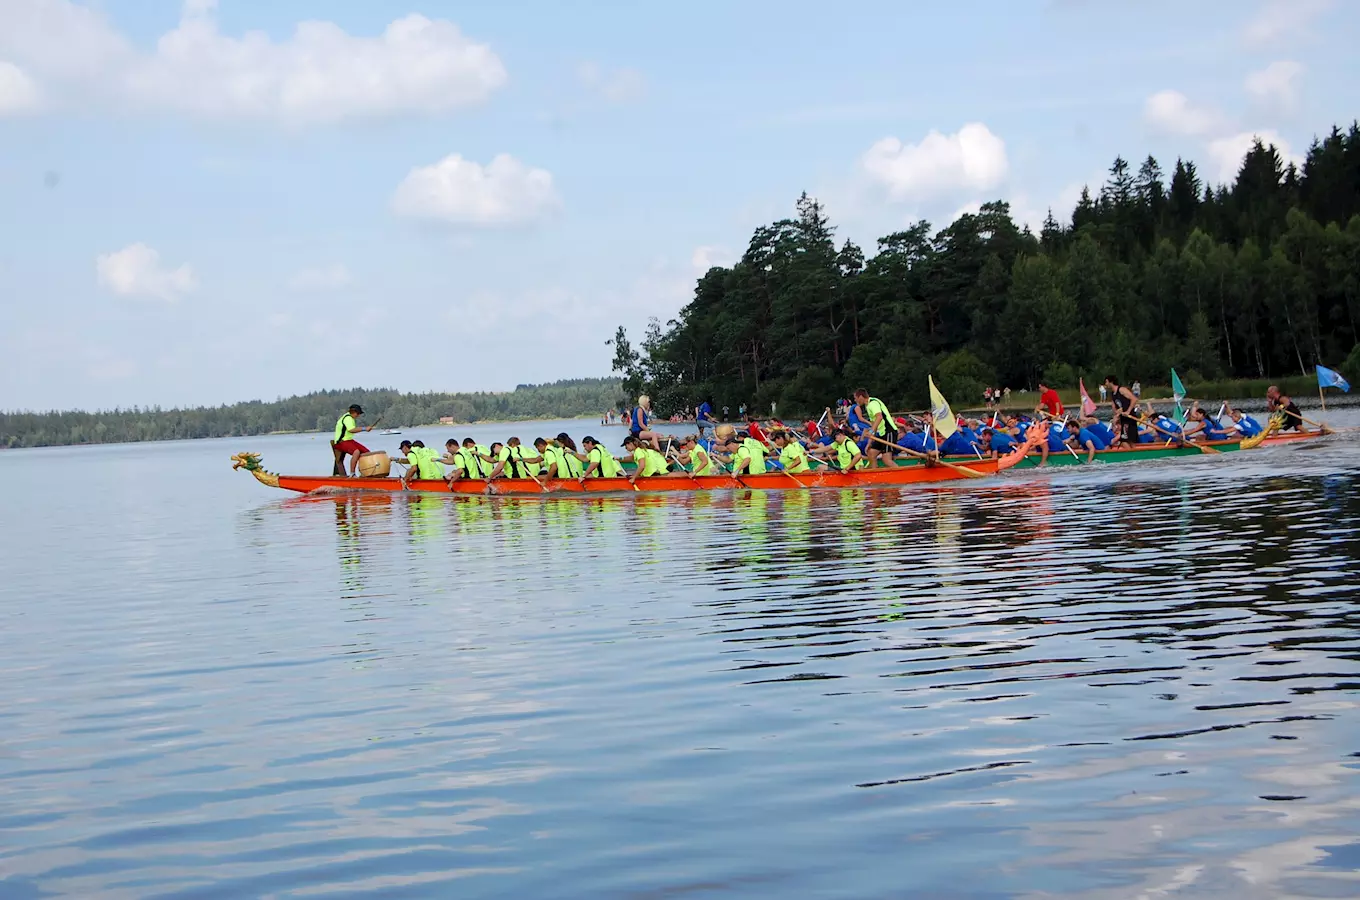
x,y
356,408
589,440
404,444
629,440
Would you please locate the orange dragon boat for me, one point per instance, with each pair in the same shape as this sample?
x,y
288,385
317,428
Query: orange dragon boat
x,y
914,472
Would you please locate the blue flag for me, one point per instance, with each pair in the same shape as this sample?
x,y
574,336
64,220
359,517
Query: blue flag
x,y
1332,378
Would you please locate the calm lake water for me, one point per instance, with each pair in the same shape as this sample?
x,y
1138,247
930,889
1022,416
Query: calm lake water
x,y
1131,681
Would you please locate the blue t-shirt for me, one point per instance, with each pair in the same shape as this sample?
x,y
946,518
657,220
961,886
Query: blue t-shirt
x,y
913,440
856,423
1087,435
1147,436
705,411
956,445
1213,431
1249,426
1057,439
1002,443
1104,431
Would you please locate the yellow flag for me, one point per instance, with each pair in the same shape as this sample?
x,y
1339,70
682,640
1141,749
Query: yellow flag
x,y
945,424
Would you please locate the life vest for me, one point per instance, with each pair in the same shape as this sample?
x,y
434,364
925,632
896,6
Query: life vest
x,y
755,451
573,466
794,458
346,428
700,462
607,467
470,463
845,453
428,466
888,428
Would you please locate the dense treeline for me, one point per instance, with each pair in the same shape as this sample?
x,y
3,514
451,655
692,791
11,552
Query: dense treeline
x,y
1258,279
310,412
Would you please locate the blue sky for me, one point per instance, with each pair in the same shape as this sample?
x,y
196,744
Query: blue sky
x,y
207,202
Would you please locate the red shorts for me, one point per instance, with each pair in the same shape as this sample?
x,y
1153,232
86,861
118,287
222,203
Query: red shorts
x,y
350,446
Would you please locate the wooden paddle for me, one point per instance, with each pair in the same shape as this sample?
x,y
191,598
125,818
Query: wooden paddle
x,y
1319,425
1200,447
967,472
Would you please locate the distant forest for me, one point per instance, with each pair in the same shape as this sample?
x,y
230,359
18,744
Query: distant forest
x,y
310,412
1258,279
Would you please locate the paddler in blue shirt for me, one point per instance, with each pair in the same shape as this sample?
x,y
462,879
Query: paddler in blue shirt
x,y
1079,438
1200,426
994,442
1243,423
1099,430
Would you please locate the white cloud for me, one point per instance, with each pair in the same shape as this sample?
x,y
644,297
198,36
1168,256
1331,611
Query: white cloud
x,y
323,278
136,271
1280,20
1275,88
972,158
463,192
18,93
320,74
616,86
705,258
1226,153
1171,112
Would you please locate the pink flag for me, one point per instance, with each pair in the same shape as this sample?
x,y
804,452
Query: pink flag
x,y
1088,406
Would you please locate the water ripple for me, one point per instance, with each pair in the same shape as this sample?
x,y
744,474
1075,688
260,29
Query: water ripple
x,y
1135,681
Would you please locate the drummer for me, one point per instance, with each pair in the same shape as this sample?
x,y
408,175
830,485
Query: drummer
x,y
346,427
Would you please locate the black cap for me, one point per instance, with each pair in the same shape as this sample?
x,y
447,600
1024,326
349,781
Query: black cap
x,y
589,439
356,408
404,444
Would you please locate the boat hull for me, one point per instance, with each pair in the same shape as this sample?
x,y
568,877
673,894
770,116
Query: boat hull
x,y
777,481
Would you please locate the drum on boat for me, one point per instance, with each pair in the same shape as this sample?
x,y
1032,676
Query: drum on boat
x,y
375,465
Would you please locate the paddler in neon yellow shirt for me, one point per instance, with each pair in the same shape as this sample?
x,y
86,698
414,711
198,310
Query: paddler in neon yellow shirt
x,y
512,463
600,463
467,461
750,456
650,463
693,454
881,424
843,452
422,462
792,456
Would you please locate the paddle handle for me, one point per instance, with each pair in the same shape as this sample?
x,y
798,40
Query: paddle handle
x,y
963,469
